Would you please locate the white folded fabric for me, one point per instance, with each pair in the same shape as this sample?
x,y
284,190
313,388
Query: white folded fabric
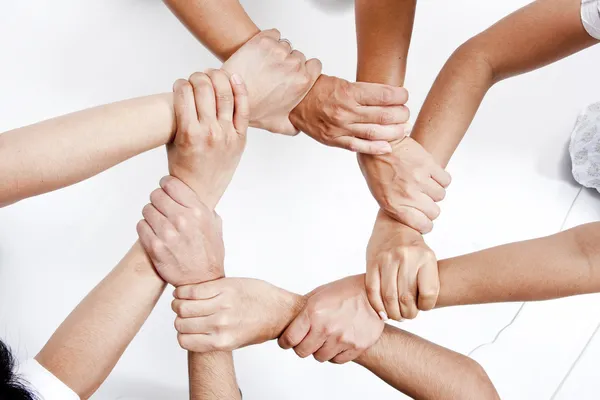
x,y
45,385
585,147
590,16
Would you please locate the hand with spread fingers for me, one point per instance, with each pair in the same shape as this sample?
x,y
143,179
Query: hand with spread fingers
x,y
360,117
402,271
407,183
337,323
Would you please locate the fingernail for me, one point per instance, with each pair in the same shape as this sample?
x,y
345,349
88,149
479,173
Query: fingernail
x,y
236,79
383,315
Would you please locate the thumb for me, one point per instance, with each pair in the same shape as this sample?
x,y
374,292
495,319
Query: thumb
x,y
314,68
272,33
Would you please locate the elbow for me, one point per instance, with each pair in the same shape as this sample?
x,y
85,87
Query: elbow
x,y
473,56
481,386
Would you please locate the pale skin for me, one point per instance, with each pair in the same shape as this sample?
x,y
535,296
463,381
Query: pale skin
x,y
180,224
87,345
65,150
235,312
406,182
354,116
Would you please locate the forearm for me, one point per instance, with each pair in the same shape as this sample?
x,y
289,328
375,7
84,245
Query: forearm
x,y
65,150
87,345
383,33
424,370
564,264
541,33
221,25
212,376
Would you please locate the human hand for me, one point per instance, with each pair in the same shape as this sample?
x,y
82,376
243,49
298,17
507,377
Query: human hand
x,y
402,271
212,118
230,313
182,236
277,79
337,323
407,183
360,117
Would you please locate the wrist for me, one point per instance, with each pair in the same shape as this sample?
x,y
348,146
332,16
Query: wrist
x,y
373,355
290,305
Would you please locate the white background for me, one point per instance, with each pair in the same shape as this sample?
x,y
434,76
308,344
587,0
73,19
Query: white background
x,y
297,214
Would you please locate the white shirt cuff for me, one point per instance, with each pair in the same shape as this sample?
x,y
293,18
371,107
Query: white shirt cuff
x,y
45,385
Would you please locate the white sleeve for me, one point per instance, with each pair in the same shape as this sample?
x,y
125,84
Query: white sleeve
x,y
590,16
45,385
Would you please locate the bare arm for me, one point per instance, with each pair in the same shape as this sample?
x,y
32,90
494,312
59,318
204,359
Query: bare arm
x,y
541,33
565,264
536,35
258,311
383,33
440,373
221,25
561,265
87,345
62,151
212,376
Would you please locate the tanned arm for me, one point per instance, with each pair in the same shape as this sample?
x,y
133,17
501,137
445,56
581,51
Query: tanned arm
x,y
538,34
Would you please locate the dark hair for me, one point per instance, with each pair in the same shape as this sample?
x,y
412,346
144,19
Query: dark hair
x,y
11,387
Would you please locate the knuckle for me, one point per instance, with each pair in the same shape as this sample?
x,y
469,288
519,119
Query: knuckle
x,y
170,235
157,246
339,361
371,133
353,146
156,195
183,341
198,213
302,353
330,331
386,95
224,97
407,299
390,298
169,185
411,313
178,324
285,341
304,80
180,222
320,358
176,306
371,291
346,89
199,79
386,118
405,114
266,42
